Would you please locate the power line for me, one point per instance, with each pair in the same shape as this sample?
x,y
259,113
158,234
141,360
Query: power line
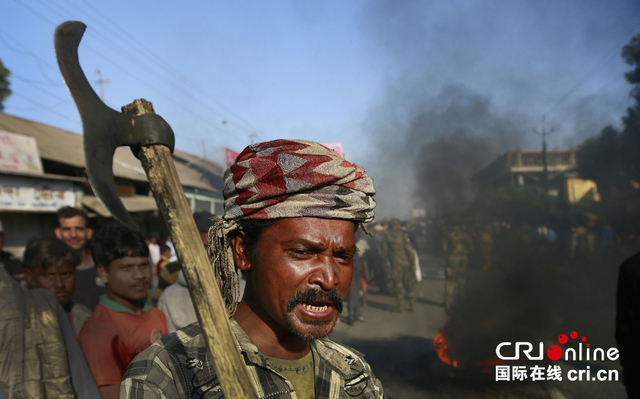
x,y
34,82
136,78
57,97
38,60
588,100
35,12
595,68
545,172
42,106
158,61
119,49
46,107
101,82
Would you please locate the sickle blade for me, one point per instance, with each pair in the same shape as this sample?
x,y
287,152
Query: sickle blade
x,y
100,123
102,182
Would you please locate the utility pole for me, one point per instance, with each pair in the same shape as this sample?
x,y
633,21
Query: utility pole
x,y
545,174
204,151
101,82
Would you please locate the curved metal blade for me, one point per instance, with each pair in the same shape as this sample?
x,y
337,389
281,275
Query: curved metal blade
x,y
104,128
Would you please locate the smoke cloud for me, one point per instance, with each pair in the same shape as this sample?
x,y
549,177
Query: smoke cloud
x,y
467,80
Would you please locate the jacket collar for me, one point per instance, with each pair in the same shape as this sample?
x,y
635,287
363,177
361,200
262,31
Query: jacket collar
x,y
323,354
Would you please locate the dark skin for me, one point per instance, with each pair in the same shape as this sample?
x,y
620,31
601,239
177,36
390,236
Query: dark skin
x,y
127,279
57,277
294,255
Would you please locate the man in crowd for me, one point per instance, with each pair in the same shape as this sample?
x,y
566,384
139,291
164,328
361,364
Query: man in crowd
x,y
73,230
11,265
123,324
49,263
168,275
456,247
398,251
165,254
170,270
292,208
154,249
39,356
175,301
377,265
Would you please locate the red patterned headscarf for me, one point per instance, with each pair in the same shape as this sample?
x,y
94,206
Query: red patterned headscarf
x,y
294,178
283,179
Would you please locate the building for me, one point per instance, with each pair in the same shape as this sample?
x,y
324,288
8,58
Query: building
x,y
526,168
48,172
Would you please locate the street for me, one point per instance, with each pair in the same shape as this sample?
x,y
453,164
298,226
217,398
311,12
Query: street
x,y
399,347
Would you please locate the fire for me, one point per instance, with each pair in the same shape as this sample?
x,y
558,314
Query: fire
x,y
442,349
441,344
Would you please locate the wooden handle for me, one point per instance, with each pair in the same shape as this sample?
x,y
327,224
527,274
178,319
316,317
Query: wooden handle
x,y
205,293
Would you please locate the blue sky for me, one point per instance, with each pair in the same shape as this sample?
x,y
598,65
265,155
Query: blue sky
x,y
362,72
268,68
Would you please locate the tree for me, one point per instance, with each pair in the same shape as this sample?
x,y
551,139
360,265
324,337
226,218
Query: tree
x,y
599,159
630,136
611,158
631,55
5,91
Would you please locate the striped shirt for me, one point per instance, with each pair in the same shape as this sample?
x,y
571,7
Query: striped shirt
x,y
178,366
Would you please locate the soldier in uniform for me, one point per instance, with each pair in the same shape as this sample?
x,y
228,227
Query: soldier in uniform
x,y
456,248
486,242
398,251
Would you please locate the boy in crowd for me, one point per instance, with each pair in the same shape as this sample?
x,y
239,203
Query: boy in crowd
x,y
165,254
74,231
50,264
123,324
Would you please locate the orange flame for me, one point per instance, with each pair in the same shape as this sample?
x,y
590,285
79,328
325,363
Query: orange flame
x,y
442,349
441,344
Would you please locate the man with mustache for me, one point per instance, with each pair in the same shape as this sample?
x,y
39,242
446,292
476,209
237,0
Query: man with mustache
x,y
292,208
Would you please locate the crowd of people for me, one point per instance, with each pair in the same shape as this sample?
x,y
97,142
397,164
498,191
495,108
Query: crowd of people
x,y
387,260
83,308
85,304
116,287
103,290
119,291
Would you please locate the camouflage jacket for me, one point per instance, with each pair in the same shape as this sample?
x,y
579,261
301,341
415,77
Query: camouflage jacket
x,y
178,366
397,249
458,244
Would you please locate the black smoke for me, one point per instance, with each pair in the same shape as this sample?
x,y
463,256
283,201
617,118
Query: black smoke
x,y
480,75
466,81
455,134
